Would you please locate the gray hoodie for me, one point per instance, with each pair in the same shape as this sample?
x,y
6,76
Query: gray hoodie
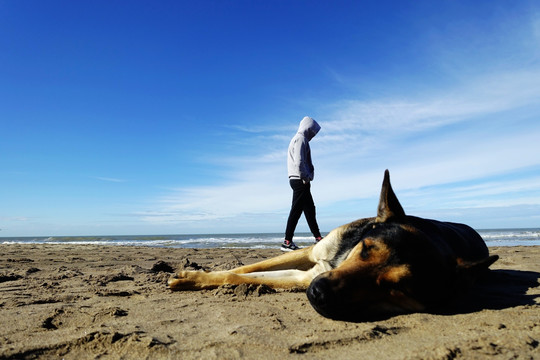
x,y
299,163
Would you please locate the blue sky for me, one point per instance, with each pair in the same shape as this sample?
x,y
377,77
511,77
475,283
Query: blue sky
x,y
166,117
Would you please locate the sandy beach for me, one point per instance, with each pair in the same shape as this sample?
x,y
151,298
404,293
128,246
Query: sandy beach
x,y
89,302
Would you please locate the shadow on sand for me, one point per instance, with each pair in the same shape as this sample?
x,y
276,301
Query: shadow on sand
x,y
499,289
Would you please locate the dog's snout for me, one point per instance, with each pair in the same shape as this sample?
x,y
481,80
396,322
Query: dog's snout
x,y
320,295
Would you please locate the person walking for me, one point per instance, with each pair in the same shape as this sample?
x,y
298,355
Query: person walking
x,y
300,169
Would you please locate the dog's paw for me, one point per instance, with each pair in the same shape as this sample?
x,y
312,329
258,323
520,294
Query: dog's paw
x,y
184,280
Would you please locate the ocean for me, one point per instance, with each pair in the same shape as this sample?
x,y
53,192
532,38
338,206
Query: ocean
x,y
493,237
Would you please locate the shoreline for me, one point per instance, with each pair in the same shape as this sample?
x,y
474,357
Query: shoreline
x,y
492,237
89,301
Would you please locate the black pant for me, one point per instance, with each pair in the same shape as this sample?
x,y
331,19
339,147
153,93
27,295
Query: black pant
x,y
302,201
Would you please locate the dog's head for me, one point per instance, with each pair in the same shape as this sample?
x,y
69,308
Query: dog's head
x,y
396,267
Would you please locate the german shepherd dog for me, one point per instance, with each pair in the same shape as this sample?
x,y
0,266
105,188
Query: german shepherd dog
x,y
384,265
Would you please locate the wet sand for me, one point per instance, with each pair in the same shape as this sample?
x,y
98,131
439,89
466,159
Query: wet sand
x,y
88,302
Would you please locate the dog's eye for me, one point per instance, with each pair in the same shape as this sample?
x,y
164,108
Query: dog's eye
x,y
364,253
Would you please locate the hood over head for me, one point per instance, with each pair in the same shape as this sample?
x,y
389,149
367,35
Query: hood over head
x,y
308,127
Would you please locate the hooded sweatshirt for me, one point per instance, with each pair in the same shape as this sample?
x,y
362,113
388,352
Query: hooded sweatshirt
x,y
299,163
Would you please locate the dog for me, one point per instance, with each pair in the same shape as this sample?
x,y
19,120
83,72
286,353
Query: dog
x,y
389,264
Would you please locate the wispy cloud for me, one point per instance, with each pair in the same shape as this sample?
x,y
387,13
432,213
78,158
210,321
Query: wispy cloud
x,y
108,179
479,97
14,218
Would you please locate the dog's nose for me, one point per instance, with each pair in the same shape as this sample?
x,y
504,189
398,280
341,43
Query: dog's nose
x,y
320,295
317,290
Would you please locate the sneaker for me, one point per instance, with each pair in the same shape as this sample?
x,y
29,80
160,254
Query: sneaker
x,y
289,247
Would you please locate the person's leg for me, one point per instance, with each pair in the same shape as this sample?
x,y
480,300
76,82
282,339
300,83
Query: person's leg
x,y
310,212
296,208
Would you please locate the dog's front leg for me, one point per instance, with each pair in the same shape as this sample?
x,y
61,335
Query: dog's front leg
x,y
199,280
298,259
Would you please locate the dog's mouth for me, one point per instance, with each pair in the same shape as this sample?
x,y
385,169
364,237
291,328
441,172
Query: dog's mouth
x,y
329,303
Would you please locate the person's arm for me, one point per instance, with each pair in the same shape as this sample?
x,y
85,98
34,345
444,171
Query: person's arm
x,y
304,164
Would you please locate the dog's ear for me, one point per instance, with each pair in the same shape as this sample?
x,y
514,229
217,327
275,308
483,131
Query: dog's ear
x,y
389,206
468,271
